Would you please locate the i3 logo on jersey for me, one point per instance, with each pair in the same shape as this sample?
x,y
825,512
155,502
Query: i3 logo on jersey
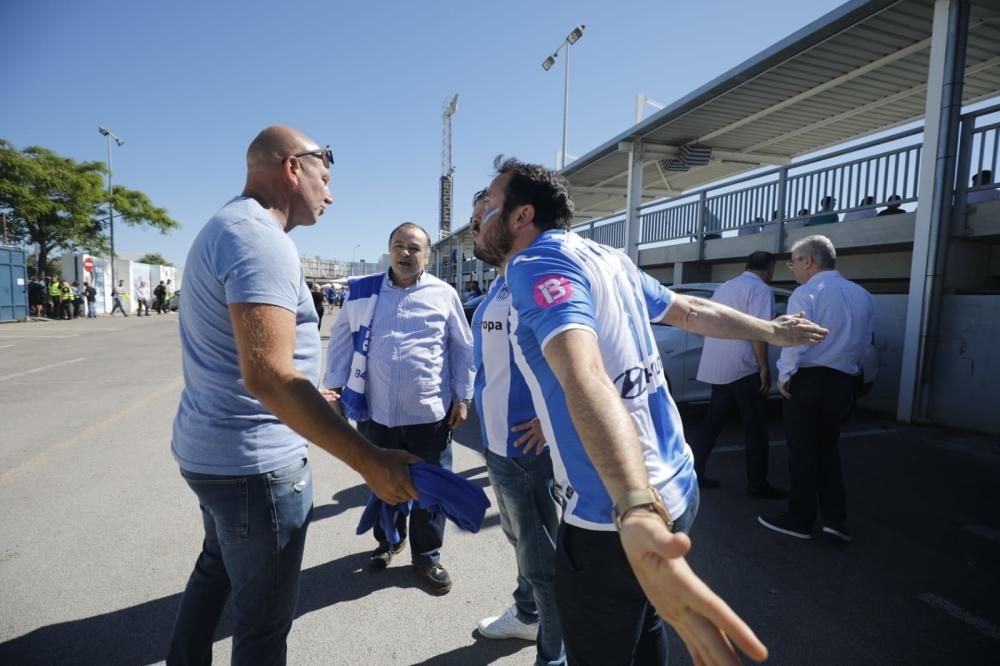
x,y
552,290
632,383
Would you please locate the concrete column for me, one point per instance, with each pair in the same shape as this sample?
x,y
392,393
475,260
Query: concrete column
x,y
945,77
633,199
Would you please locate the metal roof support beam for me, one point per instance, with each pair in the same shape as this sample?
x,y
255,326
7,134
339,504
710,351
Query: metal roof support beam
x,y
932,227
633,200
916,47
871,106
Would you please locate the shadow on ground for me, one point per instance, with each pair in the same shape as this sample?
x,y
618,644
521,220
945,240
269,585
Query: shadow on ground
x,y
140,634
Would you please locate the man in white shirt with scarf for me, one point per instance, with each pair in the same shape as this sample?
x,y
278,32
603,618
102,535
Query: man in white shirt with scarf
x,y
400,357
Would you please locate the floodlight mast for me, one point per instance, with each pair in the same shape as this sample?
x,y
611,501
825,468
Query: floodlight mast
x,y
450,107
109,135
571,38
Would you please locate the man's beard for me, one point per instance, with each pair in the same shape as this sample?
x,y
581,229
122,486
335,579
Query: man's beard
x,y
494,256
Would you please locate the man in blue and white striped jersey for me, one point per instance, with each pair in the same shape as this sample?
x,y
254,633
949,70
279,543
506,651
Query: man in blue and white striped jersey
x,y
579,330
520,470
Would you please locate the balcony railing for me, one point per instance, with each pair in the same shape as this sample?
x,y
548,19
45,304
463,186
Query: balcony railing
x,y
853,183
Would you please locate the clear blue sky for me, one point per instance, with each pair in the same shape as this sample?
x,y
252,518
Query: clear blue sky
x,y
188,84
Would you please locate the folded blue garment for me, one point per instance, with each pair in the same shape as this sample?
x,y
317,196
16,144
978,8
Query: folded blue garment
x,y
462,502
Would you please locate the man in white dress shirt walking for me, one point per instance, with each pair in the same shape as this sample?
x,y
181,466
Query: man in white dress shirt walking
x,y
740,376
818,383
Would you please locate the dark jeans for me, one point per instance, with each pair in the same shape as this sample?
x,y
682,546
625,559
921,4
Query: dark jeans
x,y
432,443
606,619
744,394
255,532
821,399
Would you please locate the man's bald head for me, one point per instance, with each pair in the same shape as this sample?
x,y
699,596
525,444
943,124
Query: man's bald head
x,y
274,144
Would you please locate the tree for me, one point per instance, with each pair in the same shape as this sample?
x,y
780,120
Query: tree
x,y
58,203
155,259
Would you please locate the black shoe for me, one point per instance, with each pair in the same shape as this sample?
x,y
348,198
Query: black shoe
x,y
784,524
436,575
705,482
767,491
838,532
379,558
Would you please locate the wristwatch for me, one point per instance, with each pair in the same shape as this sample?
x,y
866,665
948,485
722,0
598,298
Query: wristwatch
x,y
466,401
644,498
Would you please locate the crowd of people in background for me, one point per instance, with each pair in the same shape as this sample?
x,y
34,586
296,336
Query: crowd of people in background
x,y
52,297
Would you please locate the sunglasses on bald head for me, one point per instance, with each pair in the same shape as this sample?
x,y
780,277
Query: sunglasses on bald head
x,y
323,153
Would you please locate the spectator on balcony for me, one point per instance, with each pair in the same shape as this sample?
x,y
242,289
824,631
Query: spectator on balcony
x,y
825,214
982,179
752,228
892,207
865,209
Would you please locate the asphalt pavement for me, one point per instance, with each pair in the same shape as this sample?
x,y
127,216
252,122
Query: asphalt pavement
x,y
100,533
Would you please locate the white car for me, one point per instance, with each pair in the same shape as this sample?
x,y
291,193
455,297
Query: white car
x,y
680,351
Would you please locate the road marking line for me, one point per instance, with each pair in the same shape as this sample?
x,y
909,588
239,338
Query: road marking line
x,y
960,614
5,346
782,442
39,337
44,367
42,456
984,531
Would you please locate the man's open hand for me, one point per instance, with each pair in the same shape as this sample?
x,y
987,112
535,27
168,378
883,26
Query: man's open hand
x,y
795,330
706,624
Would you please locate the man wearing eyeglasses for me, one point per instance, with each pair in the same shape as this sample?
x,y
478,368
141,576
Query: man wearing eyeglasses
x,y
250,352
818,384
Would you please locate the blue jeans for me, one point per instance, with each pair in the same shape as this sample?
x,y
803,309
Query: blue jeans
x,y
606,617
529,517
91,309
255,533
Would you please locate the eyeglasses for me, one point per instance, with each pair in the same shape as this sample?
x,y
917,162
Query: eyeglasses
x,y
791,262
323,153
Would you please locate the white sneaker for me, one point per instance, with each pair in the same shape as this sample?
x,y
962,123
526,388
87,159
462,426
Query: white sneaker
x,y
508,626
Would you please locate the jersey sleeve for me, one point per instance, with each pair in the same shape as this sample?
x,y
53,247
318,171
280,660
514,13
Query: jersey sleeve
x,y
658,298
550,293
257,266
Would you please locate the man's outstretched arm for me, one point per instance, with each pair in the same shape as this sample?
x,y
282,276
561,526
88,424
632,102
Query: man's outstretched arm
x,y
704,621
715,320
265,339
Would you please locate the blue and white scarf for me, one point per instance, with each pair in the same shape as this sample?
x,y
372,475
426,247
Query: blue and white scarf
x,y
360,309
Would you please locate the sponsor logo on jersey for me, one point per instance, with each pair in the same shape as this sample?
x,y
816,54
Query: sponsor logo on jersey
x,y
552,290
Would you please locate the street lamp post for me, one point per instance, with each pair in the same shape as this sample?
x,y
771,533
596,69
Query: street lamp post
x,y
111,209
571,39
354,256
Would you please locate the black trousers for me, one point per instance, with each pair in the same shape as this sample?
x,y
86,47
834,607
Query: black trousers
x,y
743,394
821,400
605,616
432,443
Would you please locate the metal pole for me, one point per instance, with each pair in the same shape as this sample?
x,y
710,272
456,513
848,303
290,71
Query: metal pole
x,y
111,215
565,108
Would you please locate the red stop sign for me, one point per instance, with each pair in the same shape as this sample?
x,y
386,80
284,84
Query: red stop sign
x,y
88,264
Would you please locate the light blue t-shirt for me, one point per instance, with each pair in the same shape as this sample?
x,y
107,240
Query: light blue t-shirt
x,y
241,256
561,282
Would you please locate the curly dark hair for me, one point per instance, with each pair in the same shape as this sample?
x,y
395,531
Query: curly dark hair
x,y
542,188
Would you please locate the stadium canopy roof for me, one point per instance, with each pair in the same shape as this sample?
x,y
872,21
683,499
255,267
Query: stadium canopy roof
x,y
858,70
